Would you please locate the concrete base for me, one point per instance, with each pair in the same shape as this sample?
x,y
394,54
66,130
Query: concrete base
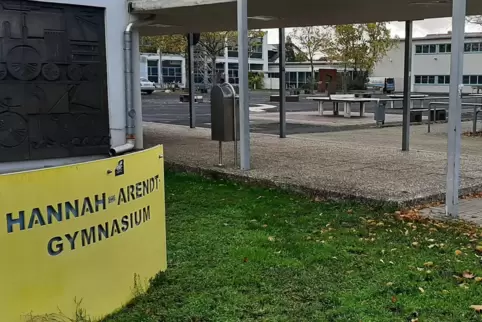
x,y
289,98
185,98
365,165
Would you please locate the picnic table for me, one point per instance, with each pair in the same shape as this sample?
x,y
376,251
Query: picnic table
x,y
347,100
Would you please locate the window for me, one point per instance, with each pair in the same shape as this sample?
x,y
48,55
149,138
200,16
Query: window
x,y
480,80
475,47
418,79
449,48
425,49
473,80
418,49
433,49
442,48
424,79
466,80
431,79
441,79
467,47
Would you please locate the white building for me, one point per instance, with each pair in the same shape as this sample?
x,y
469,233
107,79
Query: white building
x,y
174,66
297,73
431,63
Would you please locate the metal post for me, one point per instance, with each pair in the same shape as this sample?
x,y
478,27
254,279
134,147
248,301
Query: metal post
x,y
226,57
220,154
282,83
407,74
192,109
245,153
456,86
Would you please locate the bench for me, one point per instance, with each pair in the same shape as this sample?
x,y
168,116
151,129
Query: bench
x,y
289,98
184,98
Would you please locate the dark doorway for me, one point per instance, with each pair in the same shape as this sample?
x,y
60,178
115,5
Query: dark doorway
x,y
53,81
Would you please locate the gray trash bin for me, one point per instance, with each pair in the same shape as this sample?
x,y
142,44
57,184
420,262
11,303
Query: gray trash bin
x,y
380,112
224,114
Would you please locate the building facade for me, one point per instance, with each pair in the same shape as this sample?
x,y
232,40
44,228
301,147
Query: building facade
x,y
431,64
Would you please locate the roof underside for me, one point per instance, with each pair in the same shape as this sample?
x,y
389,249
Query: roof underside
x,y
181,16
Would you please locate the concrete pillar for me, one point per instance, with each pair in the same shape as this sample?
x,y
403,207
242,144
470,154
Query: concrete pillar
x,y
459,8
245,146
282,82
407,85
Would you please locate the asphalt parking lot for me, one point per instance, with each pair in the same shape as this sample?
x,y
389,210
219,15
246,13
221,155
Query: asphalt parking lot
x,y
166,108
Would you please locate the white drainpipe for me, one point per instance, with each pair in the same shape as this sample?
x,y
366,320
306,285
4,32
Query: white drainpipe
x,y
129,95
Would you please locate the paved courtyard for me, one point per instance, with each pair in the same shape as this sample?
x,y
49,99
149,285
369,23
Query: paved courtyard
x,y
364,164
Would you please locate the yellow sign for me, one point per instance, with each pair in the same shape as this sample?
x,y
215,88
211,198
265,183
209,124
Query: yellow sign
x,y
84,233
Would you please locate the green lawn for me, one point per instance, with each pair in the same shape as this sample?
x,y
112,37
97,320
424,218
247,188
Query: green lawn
x,y
237,253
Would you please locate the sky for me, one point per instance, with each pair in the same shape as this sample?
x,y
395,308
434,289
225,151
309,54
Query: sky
x,y
420,28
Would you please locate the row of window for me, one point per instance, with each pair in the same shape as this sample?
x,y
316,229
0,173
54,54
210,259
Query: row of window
x,y
445,79
469,47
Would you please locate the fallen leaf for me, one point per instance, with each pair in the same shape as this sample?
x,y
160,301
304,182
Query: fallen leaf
x,y
264,226
389,284
394,299
349,211
478,279
421,290
468,275
245,260
479,248
428,264
458,252
477,308
415,244
271,238
445,292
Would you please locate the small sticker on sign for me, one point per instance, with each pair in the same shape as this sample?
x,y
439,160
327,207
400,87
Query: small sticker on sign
x,y
119,170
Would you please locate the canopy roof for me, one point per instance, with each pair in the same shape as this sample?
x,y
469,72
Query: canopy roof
x,y
181,16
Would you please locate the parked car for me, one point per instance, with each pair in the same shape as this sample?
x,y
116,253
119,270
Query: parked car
x,y
147,86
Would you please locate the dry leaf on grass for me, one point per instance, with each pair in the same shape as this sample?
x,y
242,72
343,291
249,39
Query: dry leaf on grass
x,y
271,238
421,290
245,260
458,252
394,299
477,308
478,279
428,264
468,275
479,248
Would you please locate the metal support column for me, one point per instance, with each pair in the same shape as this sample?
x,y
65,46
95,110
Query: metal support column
x,y
226,64
407,84
282,83
245,153
455,107
192,109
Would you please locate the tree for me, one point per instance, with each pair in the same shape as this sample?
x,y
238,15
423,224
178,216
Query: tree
x,y
165,44
293,53
213,44
168,44
312,41
360,46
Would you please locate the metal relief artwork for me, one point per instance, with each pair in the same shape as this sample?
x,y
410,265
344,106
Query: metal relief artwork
x,y
53,81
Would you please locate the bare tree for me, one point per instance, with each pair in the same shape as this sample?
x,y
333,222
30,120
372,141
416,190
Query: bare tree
x,y
213,45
